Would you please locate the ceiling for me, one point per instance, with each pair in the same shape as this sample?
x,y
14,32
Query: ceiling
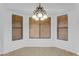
x,y
49,7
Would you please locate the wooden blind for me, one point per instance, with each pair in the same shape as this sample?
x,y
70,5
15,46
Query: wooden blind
x,y
39,29
62,27
17,27
33,28
45,28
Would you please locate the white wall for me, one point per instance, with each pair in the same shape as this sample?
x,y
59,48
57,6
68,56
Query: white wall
x,y
73,32
37,42
9,45
1,30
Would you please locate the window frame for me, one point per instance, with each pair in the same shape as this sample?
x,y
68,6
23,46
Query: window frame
x,y
21,28
64,27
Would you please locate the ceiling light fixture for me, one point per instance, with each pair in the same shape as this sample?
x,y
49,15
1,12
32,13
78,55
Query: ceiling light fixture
x,y
39,13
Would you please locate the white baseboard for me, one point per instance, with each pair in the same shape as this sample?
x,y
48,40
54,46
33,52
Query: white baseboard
x,y
77,53
5,52
8,51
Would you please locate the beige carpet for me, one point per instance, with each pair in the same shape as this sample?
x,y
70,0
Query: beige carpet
x,y
40,51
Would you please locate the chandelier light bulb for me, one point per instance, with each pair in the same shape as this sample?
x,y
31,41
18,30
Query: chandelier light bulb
x,y
34,16
36,19
42,19
39,15
45,16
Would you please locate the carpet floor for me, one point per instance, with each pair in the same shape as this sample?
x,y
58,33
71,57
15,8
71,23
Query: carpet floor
x,y
40,51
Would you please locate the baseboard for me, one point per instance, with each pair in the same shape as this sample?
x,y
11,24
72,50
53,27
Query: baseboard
x,y
77,53
8,51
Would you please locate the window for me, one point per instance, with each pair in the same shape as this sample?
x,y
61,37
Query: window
x,y
40,29
62,27
17,27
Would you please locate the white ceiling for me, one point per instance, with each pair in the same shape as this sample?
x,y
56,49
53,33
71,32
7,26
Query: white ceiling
x,y
49,7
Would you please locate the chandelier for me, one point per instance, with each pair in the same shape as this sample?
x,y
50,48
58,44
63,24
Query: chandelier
x,y
39,13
